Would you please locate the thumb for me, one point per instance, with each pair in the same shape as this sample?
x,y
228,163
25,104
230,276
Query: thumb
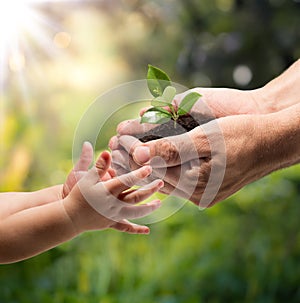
x,y
103,163
169,151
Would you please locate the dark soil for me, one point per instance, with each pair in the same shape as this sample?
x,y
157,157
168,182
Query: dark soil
x,y
184,124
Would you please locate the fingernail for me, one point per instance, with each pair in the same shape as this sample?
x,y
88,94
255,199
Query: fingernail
x,y
147,231
160,184
86,143
146,171
141,154
121,126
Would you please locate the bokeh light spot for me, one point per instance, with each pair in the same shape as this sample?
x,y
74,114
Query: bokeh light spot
x,y
242,75
224,5
62,40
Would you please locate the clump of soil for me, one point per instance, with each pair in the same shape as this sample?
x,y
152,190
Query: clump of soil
x,y
183,124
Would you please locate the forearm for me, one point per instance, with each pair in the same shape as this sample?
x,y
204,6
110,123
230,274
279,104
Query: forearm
x,y
282,92
34,230
280,139
13,202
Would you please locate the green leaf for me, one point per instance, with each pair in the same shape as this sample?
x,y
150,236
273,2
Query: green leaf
x,y
169,93
157,80
156,116
160,101
187,103
162,110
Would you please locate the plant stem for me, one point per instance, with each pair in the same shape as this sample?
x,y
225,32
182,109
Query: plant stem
x,y
172,109
175,122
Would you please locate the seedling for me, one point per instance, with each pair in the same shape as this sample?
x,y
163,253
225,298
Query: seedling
x,y
163,93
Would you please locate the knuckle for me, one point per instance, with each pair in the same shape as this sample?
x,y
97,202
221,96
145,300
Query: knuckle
x,y
168,151
205,171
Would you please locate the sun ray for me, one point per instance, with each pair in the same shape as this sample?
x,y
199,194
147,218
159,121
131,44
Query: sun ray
x,y
27,32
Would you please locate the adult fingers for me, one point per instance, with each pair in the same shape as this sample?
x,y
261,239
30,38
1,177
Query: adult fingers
x,y
184,177
201,195
113,143
120,158
123,182
136,196
143,110
171,190
178,175
134,127
170,151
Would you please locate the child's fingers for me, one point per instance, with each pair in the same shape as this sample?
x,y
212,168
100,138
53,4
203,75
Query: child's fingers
x,y
133,212
136,196
121,183
106,177
85,158
112,172
103,163
126,226
91,178
121,171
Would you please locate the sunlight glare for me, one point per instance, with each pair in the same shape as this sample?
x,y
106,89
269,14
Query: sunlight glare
x,y
15,15
25,28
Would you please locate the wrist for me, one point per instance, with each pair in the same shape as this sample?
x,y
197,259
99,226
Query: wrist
x,y
282,92
72,215
270,99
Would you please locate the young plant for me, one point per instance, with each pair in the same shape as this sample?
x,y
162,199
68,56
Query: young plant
x,y
162,109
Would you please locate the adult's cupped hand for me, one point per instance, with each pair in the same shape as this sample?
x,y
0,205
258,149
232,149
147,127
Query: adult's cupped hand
x,y
205,165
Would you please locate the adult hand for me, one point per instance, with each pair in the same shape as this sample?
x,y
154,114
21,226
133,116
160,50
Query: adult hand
x,y
213,161
260,133
279,94
185,161
213,103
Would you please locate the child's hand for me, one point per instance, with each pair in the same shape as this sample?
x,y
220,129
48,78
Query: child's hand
x,y
92,204
81,168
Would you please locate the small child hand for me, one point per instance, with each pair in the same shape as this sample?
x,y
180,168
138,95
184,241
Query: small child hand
x,y
93,204
81,168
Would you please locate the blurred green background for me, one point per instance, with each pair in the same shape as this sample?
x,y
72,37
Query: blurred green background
x,y
246,249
